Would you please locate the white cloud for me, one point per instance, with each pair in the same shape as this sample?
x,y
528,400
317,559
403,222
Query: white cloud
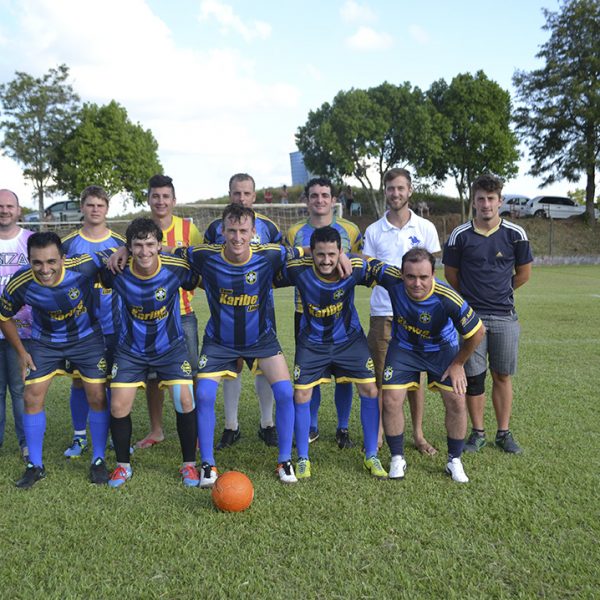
x,y
419,34
353,12
366,38
229,21
314,72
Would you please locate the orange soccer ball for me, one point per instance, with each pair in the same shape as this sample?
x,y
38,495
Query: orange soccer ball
x,y
233,492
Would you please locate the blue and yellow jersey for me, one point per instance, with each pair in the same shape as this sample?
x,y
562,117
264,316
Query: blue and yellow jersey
x,y
239,294
108,304
329,315
299,235
62,313
151,319
426,325
267,232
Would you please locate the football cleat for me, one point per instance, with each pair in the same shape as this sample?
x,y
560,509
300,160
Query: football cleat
x,y
375,468
285,472
303,468
455,469
228,438
190,476
342,437
99,474
507,443
208,475
475,442
268,435
77,448
32,475
313,435
120,475
397,467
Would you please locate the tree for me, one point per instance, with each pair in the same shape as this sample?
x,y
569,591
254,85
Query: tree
x,y
476,136
107,149
38,113
559,114
363,133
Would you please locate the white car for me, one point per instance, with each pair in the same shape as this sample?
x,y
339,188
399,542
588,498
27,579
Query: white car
x,y
555,207
513,205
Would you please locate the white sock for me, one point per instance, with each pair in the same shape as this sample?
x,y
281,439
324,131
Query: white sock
x,y
266,400
232,389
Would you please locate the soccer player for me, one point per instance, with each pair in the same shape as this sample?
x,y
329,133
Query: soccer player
x,y
13,256
242,190
485,260
177,233
331,341
427,314
388,239
320,201
151,340
60,293
94,236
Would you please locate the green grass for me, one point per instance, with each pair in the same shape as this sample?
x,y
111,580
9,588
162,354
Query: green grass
x,y
524,527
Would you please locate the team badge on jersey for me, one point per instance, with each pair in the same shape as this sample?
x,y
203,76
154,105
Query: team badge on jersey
x,y
338,294
255,239
202,361
73,293
102,365
251,277
370,365
387,373
425,317
160,294
114,371
186,368
296,372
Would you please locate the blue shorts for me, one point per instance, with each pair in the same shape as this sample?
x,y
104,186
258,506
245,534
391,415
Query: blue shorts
x,y
84,357
403,368
171,367
348,362
221,361
110,344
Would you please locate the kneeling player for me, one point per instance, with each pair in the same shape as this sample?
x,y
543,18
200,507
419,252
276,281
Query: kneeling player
x,y
427,314
331,341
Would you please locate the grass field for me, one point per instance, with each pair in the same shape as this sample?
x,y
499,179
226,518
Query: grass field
x,y
525,526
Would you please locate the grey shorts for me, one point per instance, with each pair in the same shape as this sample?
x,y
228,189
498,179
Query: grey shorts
x,y
500,345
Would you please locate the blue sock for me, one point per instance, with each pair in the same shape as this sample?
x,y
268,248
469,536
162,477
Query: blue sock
x,y
99,422
301,427
343,403
206,396
79,408
396,444
369,418
455,447
35,428
284,417
315,403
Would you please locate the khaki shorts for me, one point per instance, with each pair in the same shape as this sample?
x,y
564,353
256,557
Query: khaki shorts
x,y
380,334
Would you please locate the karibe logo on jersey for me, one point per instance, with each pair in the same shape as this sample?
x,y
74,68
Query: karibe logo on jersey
x,y
76,311
412,329
228,298
137,312
332,310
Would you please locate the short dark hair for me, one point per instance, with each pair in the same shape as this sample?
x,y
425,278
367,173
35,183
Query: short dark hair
x,y
415,255
242,177
237,212
95,191
43,239
322,181
487,183
325,234
396,172
158,181
141,229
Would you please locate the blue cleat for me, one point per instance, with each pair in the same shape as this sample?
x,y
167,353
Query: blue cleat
x,y
119,476
77,448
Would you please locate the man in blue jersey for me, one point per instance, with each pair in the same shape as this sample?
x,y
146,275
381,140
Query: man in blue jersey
x,y
242,190
320,201
151,340
93,236
331,341
60,293
485,260
427,314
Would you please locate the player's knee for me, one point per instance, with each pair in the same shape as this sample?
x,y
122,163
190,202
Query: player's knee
x,y
283,391
302,396
183,398
476,384
206,392
368,390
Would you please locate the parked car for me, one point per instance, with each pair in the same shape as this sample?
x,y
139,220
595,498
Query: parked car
x,y
556,207
513,205
67,210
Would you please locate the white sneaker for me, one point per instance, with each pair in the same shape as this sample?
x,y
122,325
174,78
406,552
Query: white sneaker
x,y
455,469
286,474
397,467
208,475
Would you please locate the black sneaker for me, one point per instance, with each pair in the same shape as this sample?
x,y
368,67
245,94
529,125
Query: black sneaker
x,y
268,435
475,442
229,438
98,472
313,435
32,475
342,437
508,444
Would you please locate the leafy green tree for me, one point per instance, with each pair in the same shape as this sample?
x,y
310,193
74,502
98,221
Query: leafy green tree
x,y
38,112
107,149
477,137
559,111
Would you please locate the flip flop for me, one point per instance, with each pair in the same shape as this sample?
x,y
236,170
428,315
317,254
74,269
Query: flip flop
x,y
426,448
146,443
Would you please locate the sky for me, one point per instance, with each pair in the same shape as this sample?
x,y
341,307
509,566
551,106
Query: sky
x,y
225,84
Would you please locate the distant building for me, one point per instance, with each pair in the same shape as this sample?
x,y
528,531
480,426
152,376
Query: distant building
x,y
300,174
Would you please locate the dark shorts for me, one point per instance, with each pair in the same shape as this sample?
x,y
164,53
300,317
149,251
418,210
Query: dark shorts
x,y
221,361
403,368
349,362
84,357
172,367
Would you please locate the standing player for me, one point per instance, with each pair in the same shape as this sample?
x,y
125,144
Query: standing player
x,y
177,233
331,341
13,256
427,313
320,201
242,190
486,260
93,236
60,293
388,239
